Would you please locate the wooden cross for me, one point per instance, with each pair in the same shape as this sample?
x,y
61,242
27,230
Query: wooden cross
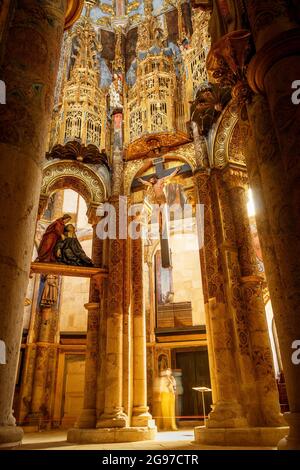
x,y
161,172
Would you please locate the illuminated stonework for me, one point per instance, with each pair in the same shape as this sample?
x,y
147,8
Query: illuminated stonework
x,y
81,113
155,103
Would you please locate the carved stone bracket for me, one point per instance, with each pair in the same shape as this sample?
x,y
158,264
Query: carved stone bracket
x,y
235,178
93,217
210,100
227,63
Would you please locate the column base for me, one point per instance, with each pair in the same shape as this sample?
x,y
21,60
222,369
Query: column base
x,y
117,420
110,435
292,440
10,436
87,419
141,418
226,415
240,437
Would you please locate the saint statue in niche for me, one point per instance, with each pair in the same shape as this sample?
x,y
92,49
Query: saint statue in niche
x,y
50,290
167,396
69,251
116,92
53,234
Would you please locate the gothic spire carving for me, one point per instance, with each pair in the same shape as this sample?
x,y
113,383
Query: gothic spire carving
x,y
85,56
151,32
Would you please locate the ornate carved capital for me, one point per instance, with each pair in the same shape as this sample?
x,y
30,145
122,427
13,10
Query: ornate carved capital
x,y
92,216
235,178
73,12
92,305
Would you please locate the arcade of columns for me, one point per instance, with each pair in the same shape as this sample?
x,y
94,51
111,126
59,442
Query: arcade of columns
x,y
245,400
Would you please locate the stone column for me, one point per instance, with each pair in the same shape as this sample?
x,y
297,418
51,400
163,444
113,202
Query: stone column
x,y
152,301
279,237
101,377
88,415
58,205
263,225
260,347
140,413
46,327
272,72
201,238
127,333
234,297
114,415
39,382
227,411
29,70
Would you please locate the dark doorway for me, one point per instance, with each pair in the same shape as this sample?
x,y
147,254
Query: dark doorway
x,y
195,373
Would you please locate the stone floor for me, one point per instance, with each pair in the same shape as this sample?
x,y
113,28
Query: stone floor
x,y
177,440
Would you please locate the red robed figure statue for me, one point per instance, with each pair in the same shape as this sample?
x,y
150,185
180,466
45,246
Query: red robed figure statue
x,y
53,234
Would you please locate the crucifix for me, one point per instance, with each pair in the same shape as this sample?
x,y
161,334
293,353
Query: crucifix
x,y
155,192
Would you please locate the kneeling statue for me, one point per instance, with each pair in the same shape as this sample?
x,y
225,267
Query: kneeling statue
x,y
69,251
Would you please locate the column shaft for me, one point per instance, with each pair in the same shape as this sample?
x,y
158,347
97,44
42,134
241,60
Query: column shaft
x,y
140,416
88,416
29,70
268,413
114,415
283,223
227,411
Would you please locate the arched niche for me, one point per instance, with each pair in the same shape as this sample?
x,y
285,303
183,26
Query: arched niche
x,y
65,174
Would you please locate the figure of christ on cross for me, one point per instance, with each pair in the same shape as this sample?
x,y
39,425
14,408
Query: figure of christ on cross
x,y
156,196
155,191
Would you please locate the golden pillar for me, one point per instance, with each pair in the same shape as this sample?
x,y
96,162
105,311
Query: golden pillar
x,y
267,399
140,412
114,415
45,357
227,411
88,416
282,248
234,297
29,69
